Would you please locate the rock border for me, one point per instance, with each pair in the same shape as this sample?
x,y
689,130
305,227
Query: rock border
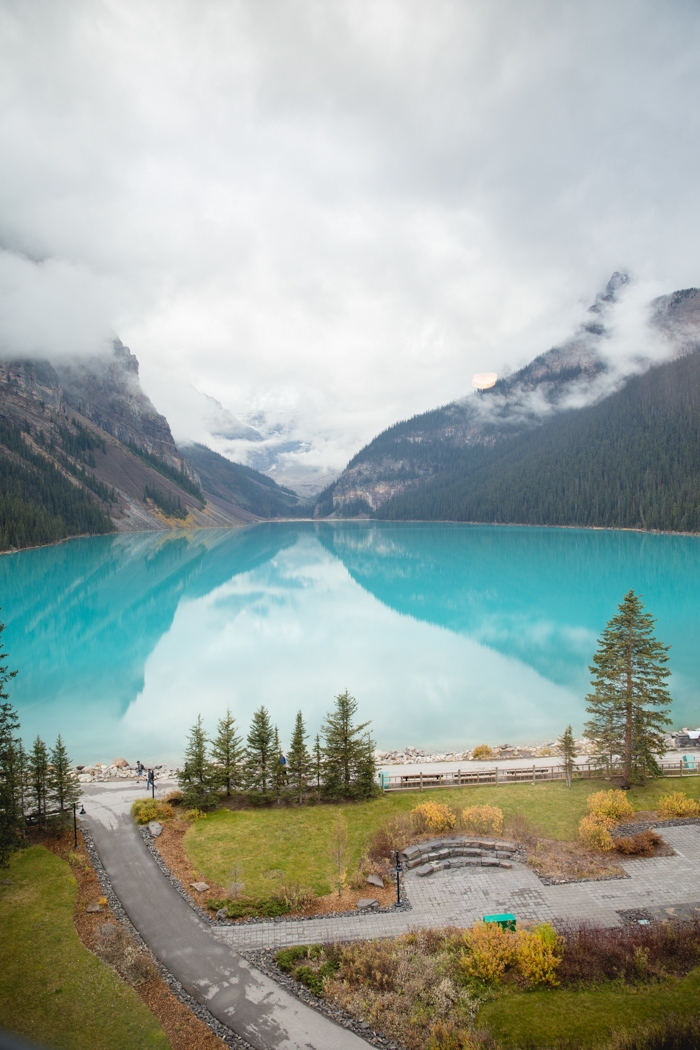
x,y
236,1042
264,959
256,921
634,827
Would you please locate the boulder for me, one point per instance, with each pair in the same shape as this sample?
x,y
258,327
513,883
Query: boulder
x,y
366,903
200,887
94,908
222,913
375,880
120,763
155,828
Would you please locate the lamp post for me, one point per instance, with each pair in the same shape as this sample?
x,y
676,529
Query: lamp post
x,y
75,826
398,877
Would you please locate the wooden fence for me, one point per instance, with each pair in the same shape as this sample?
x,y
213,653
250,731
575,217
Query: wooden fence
x,y
502,775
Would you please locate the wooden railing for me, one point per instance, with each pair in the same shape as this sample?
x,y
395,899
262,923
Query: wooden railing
x,y
502,775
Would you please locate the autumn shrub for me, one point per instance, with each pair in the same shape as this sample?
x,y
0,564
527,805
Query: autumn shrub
x,y
482,753
146,809
668,1033
174,797
295,896
433,817
483,820
195,814
643,844
447,1036
393,834
612,805
629,953
370,962
594,832
539,955
678,804
488,952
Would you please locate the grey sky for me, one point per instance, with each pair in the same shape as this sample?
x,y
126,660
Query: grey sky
x,y
333,213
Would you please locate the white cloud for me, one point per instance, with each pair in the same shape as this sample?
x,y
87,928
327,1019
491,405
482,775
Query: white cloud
x,y
333,214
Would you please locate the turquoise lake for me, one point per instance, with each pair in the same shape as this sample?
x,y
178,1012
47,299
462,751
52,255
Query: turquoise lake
x,y
448,635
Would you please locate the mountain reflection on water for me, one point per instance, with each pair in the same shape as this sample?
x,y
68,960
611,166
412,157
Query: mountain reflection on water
x,y
447,634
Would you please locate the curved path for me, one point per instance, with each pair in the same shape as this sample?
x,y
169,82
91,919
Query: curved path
x,y
237,994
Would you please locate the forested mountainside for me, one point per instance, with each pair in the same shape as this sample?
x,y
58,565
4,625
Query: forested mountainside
x,y
234,484
632,461
84,451
453,462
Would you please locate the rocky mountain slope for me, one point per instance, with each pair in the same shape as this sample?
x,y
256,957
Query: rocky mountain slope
x,y
83,450
399,472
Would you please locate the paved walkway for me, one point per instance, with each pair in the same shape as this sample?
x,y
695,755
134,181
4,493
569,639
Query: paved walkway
x,y
238,995
462,896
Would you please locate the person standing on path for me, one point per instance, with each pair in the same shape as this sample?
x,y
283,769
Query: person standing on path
x,y
139,770
150,782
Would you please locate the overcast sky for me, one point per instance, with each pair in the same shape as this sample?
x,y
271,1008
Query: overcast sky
x,y
335,212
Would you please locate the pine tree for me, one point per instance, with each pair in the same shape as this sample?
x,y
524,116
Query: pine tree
x,y
11,783
567,749
630,697
38,768
62,783
279,775
299,759
346,751
318,765
227,752
198,779
260,755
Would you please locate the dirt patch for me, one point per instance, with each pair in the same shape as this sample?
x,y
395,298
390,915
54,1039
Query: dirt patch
x,y
120,950
555,862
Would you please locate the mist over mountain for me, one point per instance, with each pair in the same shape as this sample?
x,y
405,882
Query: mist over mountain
x,y
84,451
569,403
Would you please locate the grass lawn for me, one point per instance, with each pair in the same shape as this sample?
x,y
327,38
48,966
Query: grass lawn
x,y
544,1018
296,840
52,989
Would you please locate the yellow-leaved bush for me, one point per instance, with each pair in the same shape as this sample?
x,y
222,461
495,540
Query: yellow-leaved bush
x,y
146,809
483,820
432,816
534,955
613,805
678,805
483,752
594,832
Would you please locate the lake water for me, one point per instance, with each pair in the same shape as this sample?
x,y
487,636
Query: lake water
x,y
448,635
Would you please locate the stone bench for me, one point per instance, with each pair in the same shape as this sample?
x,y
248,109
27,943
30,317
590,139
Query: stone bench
x,y
457,852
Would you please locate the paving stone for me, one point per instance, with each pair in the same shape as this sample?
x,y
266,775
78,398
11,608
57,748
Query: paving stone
x,y
200,887
425,869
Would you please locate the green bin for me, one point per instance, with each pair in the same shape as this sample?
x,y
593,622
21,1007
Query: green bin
x,y
506,920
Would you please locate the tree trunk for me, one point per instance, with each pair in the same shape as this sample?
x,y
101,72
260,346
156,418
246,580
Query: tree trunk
x,y
628,719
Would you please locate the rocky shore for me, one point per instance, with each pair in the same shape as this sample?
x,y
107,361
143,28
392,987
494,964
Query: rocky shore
x,y
121,770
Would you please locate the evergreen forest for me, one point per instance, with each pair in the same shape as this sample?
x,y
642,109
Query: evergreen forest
x,y
631,461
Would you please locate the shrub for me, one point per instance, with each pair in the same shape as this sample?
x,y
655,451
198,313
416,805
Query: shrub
x,y
594,832
251,907
294,896
483,752
678,805
393,834
174,798
310,977
614,805
195,814
146,809
488,952
447,1036
483,820
540,953
629,953
289,957
371,962
641,845
432,816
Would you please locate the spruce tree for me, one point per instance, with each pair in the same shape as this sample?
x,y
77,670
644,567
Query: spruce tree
x,y
198,779
227,752
62,783
279,774
12,775
260,754
346,751
38,769
567,749
630,697
318,765
298,758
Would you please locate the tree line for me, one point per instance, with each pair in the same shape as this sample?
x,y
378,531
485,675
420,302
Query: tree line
x,y
340,763
39,783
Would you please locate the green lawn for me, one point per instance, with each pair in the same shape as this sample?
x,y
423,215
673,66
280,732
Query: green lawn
x,y
548,1018
52,989
296,840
